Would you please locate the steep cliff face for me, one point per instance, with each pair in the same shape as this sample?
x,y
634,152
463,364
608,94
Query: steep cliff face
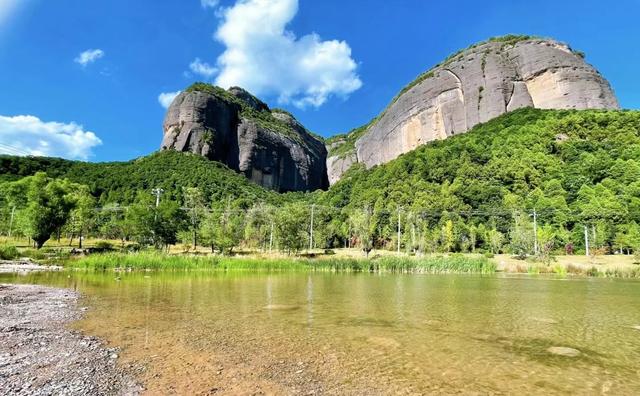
x,y
475,86
233,127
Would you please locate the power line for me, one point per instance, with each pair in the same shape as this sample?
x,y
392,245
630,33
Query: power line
x,y
13,150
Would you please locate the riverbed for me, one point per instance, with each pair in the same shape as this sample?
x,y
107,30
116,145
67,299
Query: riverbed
x,y
297,333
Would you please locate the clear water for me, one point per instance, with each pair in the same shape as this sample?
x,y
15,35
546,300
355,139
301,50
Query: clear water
x,y
284,333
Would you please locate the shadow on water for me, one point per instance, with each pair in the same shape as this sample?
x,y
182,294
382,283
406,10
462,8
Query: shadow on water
x,y
365,322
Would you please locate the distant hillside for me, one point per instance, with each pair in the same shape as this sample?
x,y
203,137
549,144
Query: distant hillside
x,y
121,181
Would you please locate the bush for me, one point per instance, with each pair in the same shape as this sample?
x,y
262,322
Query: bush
x,y
35,254
104,245
9,253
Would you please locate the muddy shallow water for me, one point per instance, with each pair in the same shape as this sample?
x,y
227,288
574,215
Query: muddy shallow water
x,y
213,333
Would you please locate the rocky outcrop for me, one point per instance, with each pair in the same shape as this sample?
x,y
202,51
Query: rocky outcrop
x,y
475,86
235,128
337,165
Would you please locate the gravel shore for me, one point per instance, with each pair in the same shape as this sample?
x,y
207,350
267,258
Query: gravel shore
x,y
23,267
40,355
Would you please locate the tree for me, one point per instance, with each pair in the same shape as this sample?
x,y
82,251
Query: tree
x,y
522,235
292,222
83,214
363,228
495,239
49,203
448,236
114,224
223,226
259,226
151,225
195,207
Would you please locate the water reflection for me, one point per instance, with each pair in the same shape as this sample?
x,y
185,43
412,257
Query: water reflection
x,y
368,334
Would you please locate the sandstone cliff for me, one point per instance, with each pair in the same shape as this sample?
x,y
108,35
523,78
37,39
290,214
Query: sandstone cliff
x,y
268,146
471,87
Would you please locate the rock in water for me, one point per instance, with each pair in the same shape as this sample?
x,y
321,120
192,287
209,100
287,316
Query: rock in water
x,y
270,147
564,351
475,86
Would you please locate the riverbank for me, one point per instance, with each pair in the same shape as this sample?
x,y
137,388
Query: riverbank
x,y
40,355
602,266
23,267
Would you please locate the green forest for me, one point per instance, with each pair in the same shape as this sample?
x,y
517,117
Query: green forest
x,y
531,182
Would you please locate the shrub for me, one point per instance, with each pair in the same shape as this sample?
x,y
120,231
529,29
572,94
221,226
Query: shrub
x,y
9,253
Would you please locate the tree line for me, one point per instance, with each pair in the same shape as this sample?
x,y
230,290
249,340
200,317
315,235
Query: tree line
x,y
41,208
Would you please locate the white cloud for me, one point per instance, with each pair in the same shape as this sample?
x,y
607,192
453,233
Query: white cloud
x,y
266,59
7,7
89,56
166,98
203,69
28,135
206,3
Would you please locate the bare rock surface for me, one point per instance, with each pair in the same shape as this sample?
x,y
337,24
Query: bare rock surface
x,y
475,86
39,355
338,165
269,147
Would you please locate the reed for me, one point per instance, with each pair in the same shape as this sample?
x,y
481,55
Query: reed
x,y
157,261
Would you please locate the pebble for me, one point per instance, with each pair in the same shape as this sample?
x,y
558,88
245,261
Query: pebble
x,y
41,334
564,351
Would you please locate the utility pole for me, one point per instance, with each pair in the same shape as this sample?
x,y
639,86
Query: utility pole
x,y
399,234
157,192
535,231
13,212
586,239
313,208
271,238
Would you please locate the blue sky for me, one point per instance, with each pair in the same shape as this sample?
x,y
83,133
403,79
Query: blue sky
x,y
334,64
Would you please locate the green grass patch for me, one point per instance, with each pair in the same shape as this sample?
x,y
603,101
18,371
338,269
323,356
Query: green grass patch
x,y
9,253
159,262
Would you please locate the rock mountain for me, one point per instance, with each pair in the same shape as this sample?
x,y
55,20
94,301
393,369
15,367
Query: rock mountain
x,y
270,147
473,86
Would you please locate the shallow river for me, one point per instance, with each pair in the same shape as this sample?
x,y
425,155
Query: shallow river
x,y
374,334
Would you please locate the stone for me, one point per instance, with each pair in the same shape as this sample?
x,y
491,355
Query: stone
x,y
235,128
475,86
338,165
564,351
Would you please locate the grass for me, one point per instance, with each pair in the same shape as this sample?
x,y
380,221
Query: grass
x,y
157,261
9,252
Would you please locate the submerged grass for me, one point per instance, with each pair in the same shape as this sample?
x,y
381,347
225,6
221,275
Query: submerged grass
x,y
159,262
